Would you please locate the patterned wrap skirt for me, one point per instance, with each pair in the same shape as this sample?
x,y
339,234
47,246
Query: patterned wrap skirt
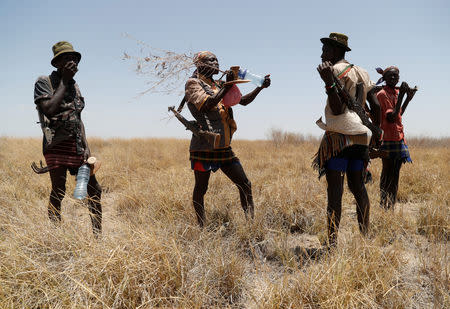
x,y
205,161
64,154
396,150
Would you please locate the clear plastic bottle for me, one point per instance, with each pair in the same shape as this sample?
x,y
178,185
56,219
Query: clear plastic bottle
x,y
84,172
255,79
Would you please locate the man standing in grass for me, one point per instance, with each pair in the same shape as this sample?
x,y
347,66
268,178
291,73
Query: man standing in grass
x,y
59,104
206,102
344,147
394,144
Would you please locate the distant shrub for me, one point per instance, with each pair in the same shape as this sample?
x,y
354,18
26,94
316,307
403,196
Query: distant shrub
x,y
428,142
280,137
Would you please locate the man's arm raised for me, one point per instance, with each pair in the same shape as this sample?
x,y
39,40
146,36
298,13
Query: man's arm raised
x,y
248,98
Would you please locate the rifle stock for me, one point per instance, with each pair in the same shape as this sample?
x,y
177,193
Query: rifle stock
x,y
212,138
39,170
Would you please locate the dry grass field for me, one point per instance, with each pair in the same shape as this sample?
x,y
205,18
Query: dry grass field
x,y
152,254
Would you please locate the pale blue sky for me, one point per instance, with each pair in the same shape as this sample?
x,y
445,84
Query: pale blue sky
x,y
276,37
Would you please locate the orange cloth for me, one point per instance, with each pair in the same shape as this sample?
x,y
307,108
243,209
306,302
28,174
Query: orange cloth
x,y
393,131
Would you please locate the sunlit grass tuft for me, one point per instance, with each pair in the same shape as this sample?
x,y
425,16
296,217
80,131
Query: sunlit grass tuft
x,y
153,254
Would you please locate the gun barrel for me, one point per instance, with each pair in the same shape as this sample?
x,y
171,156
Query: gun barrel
x,y
416,88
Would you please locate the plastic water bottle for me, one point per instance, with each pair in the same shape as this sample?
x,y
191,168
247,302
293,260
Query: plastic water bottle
x,y
84,172
255,79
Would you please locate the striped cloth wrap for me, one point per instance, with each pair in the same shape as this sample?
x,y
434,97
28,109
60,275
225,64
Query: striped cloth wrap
x,y
212,160
217,155
397,150
64,154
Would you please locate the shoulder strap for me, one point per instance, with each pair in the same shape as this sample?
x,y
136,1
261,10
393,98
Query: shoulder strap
x,y
180,107
183,101
204,86
345,71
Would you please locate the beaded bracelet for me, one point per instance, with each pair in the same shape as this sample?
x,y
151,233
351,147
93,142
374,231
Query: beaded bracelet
x,y
330,87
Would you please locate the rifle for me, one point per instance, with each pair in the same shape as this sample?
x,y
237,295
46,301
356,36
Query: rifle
x,y
398,106
92,161
357,107
212,138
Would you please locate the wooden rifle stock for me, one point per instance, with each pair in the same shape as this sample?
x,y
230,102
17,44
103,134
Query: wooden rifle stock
x,y
94,164
212,138
39,170
407,100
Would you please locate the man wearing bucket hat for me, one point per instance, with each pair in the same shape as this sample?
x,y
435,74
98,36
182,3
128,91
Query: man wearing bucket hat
x,y
344,147
59,104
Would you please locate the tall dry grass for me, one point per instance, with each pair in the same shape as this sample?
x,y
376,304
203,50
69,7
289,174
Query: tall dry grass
x,y
152,254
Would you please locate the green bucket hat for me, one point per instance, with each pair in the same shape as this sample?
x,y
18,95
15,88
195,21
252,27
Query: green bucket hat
x,y
337,39
63,47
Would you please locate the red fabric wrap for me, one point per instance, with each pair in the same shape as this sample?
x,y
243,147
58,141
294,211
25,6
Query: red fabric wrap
x,y
63,154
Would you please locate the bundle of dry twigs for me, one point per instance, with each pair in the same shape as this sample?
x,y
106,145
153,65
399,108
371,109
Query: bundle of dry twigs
x,y
167,70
